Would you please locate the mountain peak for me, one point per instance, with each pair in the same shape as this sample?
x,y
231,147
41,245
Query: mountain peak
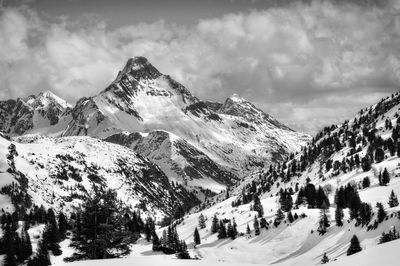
x,y
236,98
138,68
138,61
47,97
238,106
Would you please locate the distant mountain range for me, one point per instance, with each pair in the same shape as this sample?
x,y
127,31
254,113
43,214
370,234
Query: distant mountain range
x,y
204,146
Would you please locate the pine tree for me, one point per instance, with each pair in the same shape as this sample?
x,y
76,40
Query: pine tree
x,y
385,177
164,238
183,253
9,245
366,182
323,222
339,216
102,227
354,204
26,245
366,164
398,149
256,226
149,228
354,246
221,230
279,216
229,231
263,223
234,227
322,200
202,221
379,155
51,234
365,213
42,257
381,212
324,259
290,217
257,206
196,237
214,224
156,242
393,201
62,225
285,200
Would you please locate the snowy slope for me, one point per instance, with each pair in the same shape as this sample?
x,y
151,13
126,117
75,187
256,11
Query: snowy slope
x,y
289,244
385,254
61,171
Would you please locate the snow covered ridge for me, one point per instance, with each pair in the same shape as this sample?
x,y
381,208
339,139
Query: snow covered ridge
x,y
61,171
34,112
232,138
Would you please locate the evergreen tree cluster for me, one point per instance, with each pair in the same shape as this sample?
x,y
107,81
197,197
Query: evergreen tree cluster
x,y
390,236
314,198
348,197
170,243
101,230
356,135
224,228
17,248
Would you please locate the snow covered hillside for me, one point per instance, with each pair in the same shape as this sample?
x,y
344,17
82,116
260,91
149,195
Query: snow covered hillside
x,y
60,173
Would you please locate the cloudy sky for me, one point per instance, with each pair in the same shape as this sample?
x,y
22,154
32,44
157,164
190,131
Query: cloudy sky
x,y
308,63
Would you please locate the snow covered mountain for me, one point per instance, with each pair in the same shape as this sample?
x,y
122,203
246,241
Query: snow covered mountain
x,y
60,173
21,116
204,145
237,135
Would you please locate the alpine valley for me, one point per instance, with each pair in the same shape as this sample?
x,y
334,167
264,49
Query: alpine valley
x,y
144,172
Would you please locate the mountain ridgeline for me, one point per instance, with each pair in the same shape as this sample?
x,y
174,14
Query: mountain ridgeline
x,y
203,146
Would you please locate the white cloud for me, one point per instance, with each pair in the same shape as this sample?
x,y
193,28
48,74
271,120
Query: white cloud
x,y
291,60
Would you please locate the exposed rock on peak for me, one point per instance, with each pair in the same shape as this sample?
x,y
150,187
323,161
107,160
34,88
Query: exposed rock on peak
x,y
138,68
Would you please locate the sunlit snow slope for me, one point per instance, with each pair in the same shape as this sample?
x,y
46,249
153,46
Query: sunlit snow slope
x,y
61,172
